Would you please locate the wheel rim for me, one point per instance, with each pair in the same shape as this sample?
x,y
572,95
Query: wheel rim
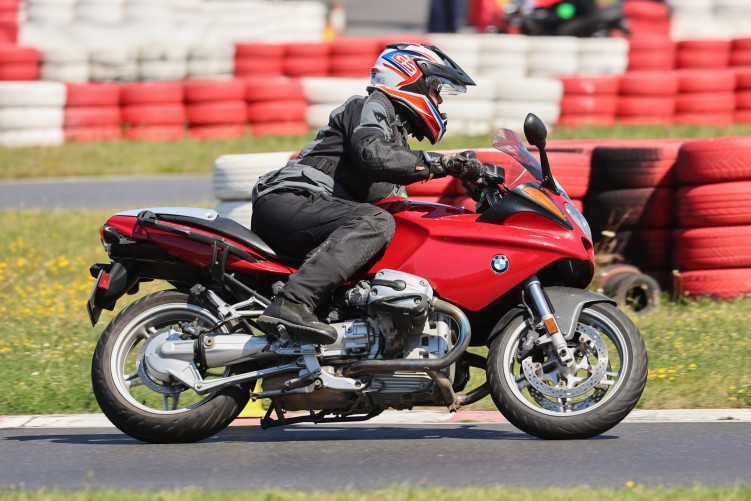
x,y
601,367
126,367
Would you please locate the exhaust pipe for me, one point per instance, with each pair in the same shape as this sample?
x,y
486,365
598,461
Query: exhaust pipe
x,y
423,364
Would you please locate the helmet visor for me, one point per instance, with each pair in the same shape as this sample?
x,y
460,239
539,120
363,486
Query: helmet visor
x,y
445,86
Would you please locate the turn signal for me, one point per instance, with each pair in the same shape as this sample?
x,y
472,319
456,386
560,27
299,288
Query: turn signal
x,y
545,201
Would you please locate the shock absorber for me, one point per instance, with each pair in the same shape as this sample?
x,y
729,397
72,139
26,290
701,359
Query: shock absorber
x,y
533,290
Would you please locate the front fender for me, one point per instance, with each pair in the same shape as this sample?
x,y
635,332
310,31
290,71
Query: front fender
x,y
567,304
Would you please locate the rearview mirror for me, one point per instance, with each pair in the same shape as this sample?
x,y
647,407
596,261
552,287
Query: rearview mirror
x,y
535,131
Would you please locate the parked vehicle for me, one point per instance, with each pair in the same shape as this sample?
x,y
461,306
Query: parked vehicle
x,y
179,365
576,18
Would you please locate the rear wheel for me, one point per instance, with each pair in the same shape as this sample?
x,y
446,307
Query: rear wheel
x,y
151,410
545,399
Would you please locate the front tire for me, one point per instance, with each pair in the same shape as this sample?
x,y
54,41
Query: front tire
x,y
611,375
146,410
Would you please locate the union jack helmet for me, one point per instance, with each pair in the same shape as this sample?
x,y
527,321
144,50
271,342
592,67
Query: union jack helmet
x,y
405,72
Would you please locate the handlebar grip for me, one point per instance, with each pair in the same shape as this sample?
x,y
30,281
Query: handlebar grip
x,y
454,165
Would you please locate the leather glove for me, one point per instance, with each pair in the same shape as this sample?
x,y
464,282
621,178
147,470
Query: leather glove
x,y
434,163
463,165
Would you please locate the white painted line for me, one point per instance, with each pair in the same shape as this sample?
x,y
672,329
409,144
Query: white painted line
x,y
418,417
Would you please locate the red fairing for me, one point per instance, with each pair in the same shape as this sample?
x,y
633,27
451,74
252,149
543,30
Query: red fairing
x,y
191,251
450,248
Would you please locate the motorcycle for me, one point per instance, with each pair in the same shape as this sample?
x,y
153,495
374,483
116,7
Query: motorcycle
x,y
565,18
179,365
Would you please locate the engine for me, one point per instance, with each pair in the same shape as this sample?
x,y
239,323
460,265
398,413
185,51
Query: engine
x,y
395,322
398,324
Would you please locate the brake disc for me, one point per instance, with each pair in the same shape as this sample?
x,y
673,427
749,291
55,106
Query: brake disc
x,y
592,345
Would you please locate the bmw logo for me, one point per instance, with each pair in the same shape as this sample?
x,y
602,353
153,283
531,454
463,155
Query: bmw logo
x,y
499,263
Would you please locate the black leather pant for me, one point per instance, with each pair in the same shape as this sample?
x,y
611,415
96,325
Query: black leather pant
x,y
335,237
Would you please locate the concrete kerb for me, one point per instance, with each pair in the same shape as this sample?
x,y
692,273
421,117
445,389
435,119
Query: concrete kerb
x,y
419,417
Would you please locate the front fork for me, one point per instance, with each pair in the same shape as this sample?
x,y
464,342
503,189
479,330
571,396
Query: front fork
x,y
534,298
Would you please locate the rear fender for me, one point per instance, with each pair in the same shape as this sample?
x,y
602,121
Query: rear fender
x,y
567,304
113,281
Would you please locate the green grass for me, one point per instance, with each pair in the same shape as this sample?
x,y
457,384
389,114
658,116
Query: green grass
x,y
196,156
698,350
632,492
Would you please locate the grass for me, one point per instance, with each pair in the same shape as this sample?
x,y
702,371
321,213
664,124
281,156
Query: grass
x,y
698,349
196,156
630,492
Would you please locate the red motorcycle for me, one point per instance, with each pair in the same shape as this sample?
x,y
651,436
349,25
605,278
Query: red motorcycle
x,y
563,363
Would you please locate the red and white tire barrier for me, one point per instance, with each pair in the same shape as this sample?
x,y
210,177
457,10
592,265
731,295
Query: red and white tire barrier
x,y
92,112
19,63
31,114
276,106
647,97
153,111
713,215
215,108
589,100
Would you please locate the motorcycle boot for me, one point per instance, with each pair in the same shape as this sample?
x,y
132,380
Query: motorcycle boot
x,y
299,321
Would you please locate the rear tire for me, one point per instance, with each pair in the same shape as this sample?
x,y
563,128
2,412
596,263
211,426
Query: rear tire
x,y
131,407
594,412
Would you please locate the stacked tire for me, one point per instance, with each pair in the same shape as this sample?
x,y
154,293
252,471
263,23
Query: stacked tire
x,y
703,53
713,241
631,194
589,100
516,97
742,95
324,95
31,114
647,98
215,109
602,56
161,62
211,61
113,64
19,63
651,53
705,97
234,177
65,64
9,21
552,57
353,57
503,56
258,60
306,59
92,112
471,113
153,111
647,18
276,106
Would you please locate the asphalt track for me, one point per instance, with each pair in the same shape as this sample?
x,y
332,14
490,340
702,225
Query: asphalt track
x,y
650,448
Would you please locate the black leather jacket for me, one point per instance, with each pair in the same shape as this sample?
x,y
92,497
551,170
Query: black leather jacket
x,y
361,155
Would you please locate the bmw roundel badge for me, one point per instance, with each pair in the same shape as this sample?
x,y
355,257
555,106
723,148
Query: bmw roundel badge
x,y
499,263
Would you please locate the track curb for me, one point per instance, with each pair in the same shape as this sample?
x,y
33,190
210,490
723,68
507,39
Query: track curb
x,y
420,417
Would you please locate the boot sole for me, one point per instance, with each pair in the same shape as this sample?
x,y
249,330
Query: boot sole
x,y
297,331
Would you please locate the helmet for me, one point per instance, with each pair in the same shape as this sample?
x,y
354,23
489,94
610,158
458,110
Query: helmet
x,y
405,72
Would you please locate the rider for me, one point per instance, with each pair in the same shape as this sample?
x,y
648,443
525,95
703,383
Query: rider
x,y
319,206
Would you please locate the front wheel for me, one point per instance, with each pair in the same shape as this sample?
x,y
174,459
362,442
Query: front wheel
x,y
151,410
542,397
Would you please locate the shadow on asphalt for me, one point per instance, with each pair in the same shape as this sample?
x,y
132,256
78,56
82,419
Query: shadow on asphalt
x,y
307,433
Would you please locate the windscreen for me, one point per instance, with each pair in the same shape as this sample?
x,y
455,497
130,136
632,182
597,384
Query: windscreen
x,y
526,168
